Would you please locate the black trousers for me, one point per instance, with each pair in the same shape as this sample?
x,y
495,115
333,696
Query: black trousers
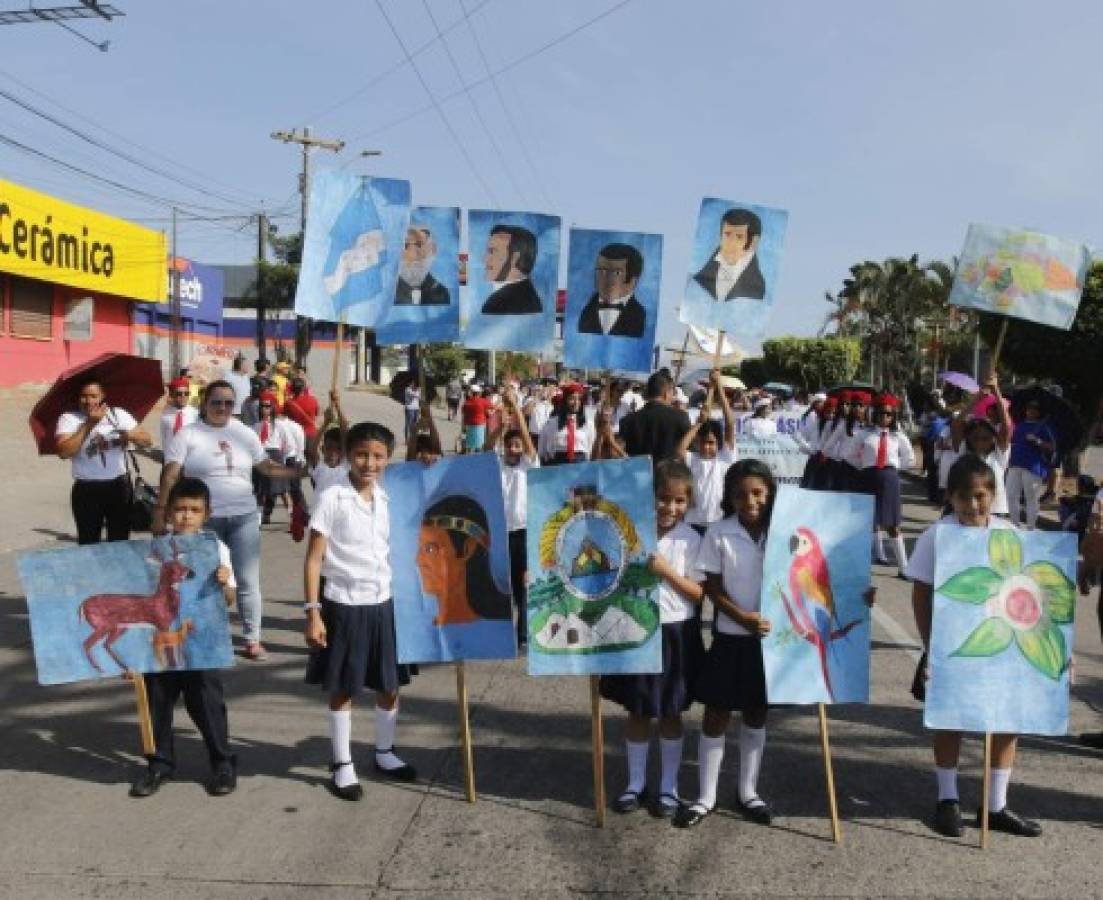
x,y
517,551
204,702
99,503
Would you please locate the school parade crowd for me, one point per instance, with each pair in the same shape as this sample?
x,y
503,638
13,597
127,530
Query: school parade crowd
x,y
233,449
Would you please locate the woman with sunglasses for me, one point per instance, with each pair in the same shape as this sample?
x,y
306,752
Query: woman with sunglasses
x,y
178,412
223,452
95,438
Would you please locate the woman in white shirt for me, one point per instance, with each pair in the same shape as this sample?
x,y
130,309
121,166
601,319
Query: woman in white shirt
x,y
567,437
883,450
95,439
223,452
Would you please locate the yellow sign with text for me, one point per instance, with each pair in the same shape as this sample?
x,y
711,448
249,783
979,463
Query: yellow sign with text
x,y
51,240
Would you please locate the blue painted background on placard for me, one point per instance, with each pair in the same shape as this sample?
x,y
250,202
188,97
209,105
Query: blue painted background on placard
x,y
56,582
602,351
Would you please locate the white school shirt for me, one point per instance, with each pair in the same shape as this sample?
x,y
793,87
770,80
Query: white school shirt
x,y
807,435
997,461
188,415
947,455
900,453
223,458
832,439
279,436
553,439
538,417
729,551
99,459
357,566
296,438
708,485
756,427
679,547
514,490
921,565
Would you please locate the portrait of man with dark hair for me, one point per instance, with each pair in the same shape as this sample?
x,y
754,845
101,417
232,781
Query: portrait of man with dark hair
x,y
416,284
613,308
732,271
509,259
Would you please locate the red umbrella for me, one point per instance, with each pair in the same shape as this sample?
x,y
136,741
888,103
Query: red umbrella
x,y
130,382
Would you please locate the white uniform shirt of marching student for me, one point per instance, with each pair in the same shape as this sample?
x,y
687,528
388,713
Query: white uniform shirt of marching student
x,y
834,433
539,415
356,566
296,439
514,490
807,435
997,461
680,547
279,436
900,454
223,458
921,566
99,459
553,439
325,477
708,485
169,418
729,551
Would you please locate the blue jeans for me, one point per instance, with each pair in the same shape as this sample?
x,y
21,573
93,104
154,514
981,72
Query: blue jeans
x,y
242,535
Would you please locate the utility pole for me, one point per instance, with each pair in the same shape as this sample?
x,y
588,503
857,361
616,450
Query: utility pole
x,y
308,142
174,305
262,235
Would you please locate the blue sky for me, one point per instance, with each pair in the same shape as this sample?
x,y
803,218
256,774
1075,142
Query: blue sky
x,y
883,127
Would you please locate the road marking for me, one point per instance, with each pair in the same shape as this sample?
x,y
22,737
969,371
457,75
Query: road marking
x,y
897,632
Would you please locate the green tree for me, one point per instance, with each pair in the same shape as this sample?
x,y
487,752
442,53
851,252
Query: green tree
x,y
811,363
752,371
443,362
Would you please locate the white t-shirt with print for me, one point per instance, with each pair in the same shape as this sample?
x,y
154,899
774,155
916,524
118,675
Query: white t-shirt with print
x,y
169,430
729,551
357,566
514,490
223,458
922,563
680,547
99,458
708,485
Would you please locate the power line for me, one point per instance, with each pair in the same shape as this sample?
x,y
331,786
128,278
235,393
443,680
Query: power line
x,y
440,111
501,71
475,106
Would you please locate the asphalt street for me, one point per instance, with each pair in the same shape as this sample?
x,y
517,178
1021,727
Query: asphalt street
x,y
67,755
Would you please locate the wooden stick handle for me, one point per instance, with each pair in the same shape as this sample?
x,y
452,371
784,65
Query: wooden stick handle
x,y
985,788
597,733
681,357
719,347
465,733
145,723
999,344
836,830
337,347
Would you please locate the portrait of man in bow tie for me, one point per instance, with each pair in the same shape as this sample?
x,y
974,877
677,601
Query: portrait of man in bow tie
x,y
416,284
613,309
732,271
509,260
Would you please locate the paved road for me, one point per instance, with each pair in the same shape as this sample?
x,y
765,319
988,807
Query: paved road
x,y
67,754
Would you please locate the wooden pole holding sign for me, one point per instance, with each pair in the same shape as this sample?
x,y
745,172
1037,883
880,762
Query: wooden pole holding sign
x,y
465,733
836,830
681,358
985,788
597,734
337,348
145,723
999,344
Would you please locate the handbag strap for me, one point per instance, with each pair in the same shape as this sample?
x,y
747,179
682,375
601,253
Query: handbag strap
x,y
129,459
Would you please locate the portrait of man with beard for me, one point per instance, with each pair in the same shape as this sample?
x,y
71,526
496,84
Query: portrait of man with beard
x,y
509,259
416,284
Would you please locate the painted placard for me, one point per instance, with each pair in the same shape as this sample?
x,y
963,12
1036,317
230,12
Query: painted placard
x,y
1002,630
450,560
780,452
613,285
592,602
815,574
140,606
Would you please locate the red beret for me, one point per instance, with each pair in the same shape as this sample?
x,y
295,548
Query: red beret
x,y
846,396
180,382
862,397
573,387
267,397
831,403
887,401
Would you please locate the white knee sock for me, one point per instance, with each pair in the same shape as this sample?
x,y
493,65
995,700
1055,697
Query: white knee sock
x,y
671,749
751,743
878,542
997,789
340,736
386,720
901,552
710,754
636,751
947,783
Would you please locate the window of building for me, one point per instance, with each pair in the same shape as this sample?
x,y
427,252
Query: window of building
x,y
31,305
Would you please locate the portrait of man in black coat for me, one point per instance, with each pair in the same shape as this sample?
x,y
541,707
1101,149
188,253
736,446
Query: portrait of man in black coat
x,y
416,284
613,309
509,259
732,271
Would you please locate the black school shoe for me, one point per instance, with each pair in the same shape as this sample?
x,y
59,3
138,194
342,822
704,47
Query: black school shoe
x,y
760,813
629,801
350,792
405,772
665,806
149,783
1010,822
223,781
947,818
690,815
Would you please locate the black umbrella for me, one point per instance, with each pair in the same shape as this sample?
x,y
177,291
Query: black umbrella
x,y
852,386
1057,411
403,379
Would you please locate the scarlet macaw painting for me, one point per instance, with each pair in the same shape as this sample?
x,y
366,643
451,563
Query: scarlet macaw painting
x,y
815,575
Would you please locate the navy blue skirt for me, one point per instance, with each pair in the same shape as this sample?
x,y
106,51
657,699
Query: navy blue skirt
x,y
814,477
667,693
884,485
360,652
732,676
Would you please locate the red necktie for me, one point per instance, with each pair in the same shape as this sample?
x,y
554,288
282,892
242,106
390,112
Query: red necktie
x,y
883,450
570,438
264,432
179,421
